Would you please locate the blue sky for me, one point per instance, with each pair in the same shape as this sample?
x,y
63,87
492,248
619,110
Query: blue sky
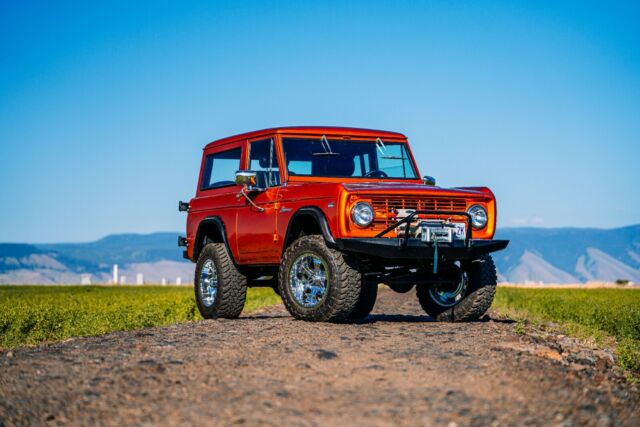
x,y
104,107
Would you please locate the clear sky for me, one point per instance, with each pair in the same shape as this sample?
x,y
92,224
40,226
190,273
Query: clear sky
x,y
105,106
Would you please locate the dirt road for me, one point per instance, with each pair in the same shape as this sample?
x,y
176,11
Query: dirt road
x,y
399,368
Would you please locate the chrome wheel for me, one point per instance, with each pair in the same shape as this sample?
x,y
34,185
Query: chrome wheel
x,y
309,280
208,283
449,294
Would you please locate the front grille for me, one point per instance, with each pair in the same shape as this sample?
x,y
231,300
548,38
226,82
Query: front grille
x,y
384,205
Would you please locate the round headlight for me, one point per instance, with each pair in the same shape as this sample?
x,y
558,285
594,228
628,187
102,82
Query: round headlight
x,y
478,216
362,214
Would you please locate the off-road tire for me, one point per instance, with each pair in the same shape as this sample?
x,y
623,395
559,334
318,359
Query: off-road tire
x,y
366,301
343,287
481,288
232,285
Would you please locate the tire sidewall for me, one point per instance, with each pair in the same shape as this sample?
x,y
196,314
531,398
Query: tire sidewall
x,y
464,309
366,301
299,247
443,312
432,308
208,253
482,285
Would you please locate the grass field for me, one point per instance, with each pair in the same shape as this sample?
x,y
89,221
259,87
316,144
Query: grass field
x,y
34,314
600,314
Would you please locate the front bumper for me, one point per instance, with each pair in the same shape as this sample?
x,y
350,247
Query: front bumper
x,y
415,249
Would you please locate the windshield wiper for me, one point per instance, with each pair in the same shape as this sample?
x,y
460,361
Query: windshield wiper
x,y
326,147
384,152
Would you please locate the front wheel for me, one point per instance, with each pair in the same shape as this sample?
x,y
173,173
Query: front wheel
x,y
318,283
465,299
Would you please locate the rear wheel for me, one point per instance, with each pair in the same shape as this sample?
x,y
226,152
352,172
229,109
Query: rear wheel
x,y
221,290
465,299
318,283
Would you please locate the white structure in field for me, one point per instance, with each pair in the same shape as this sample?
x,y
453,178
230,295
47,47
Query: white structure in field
x,y
123,280
163,282
139,279
178,280
115,274
85,279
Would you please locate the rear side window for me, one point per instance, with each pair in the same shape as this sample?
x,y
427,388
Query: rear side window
x,y
220,169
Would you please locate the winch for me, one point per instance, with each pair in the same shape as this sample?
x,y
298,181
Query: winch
x,y
432,230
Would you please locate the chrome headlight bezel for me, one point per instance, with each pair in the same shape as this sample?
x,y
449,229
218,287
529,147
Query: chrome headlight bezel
x,y
479,216
362,214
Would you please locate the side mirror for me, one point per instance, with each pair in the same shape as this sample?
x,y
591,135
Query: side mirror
x,y
183,206
429,180
246,178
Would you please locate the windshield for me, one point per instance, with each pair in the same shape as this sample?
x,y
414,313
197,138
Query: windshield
x,y
324,157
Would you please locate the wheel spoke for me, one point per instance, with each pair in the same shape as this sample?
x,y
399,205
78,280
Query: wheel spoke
x,y
310,274
308,280
208,283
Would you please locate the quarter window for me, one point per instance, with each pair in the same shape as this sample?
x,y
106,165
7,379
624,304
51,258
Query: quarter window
x,y
220,169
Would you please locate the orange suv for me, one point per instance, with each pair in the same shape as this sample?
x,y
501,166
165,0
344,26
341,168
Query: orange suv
x,y
326,214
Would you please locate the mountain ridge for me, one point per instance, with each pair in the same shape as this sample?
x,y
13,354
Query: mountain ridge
x,y
576,251
549,255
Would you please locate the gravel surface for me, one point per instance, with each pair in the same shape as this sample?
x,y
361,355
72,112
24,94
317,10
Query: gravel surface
x,y
267,369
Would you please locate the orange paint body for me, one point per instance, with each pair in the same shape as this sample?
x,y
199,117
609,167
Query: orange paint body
x,y
256,237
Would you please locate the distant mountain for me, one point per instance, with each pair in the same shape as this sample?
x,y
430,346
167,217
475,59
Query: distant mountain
x,y
566,255
121,249
559,255
154,255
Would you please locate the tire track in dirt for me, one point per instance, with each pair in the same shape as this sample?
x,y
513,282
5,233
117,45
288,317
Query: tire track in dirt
x,y
268,369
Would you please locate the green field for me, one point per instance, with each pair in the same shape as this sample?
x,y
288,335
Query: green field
x,y
600,314
34,314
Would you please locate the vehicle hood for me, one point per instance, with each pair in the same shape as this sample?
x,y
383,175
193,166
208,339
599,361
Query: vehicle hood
x,y
399,188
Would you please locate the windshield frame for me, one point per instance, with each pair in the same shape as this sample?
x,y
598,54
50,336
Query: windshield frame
x,y
366,139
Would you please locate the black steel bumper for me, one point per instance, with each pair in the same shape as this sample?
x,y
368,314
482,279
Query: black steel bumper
x,y
415,249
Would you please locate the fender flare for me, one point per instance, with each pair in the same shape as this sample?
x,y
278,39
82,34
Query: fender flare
x,y
319,216
217,222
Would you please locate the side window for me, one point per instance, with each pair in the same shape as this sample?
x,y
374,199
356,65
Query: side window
x,y
220,169
263,160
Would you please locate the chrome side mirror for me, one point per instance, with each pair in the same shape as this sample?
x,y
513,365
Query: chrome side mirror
x,y
246,178
429,180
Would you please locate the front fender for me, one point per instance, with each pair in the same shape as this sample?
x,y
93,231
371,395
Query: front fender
x,y
320,218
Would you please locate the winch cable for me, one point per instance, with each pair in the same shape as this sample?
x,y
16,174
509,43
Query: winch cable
x,y
435,252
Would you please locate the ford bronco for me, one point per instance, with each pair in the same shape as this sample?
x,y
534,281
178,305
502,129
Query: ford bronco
x,y
326,214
